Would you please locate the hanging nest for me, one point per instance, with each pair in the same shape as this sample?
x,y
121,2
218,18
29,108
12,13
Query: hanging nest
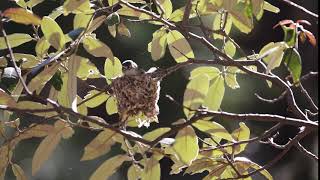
x,y
137,97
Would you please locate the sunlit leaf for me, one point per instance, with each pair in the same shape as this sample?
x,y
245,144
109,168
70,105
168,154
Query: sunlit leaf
x,y
231,77
150,136
292,60
200,165
158,44
215,94
22,4
76,6
217,25
81,20
87,70
96,23
73,67
33,3
113,30
14,40
112,105
211,72
272,54
43,77
166,7
97,48
195,93
112,69
269,7
42,47
52,32
151,170
99,146
186,145
109,167
241,134
22,16
264,172
134,172
179,47
213,128
6,99
97,100
230,48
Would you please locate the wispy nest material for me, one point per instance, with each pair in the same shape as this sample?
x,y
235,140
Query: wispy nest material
x,y
137,97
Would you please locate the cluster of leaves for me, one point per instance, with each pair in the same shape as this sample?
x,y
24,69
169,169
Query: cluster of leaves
x,y
55,53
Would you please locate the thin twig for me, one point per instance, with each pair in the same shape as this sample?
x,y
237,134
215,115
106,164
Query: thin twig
x,y
301,8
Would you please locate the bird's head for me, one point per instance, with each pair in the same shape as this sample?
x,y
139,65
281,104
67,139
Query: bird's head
x,y
130,68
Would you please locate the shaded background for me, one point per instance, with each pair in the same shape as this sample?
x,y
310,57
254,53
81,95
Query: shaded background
x,y
65,164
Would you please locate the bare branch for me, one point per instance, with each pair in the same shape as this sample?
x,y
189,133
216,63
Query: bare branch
x,y
306,152
301,8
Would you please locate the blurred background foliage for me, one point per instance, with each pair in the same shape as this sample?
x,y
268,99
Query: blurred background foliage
x,y
65,164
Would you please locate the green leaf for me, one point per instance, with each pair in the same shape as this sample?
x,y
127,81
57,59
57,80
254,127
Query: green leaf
x,y
179,47
76,6
29,60
216,25
269,7
81,20
6,99
186,145
264,172
257,8
241,134
33,3
290,36
42,47
213,128
22,16
272,54
150,136
87,70
22,4
200,165
15,40
158,44
230,48
195,93
292,60
231,77
112,69
73,67
211,72
215,94
151,169
113,30
109,167
113,19
99,146
97,100
97,48
53,33
166,6
112,105
134,172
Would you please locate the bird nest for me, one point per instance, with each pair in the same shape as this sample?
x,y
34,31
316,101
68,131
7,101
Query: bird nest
x,y
137,97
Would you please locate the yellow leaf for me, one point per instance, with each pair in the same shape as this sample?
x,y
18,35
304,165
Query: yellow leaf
x,y
109,167
5,157
96,23
18,172
97,100
134,172
99,146
73,66
195,93
150,136
53,33
215,94
112,69
179,47
42,47
81,20
186,145
15,40
76,6
213,128
158,44
112,105
241,134
97,48
44,150
151,170
23,16
6,99
43,77
29,105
